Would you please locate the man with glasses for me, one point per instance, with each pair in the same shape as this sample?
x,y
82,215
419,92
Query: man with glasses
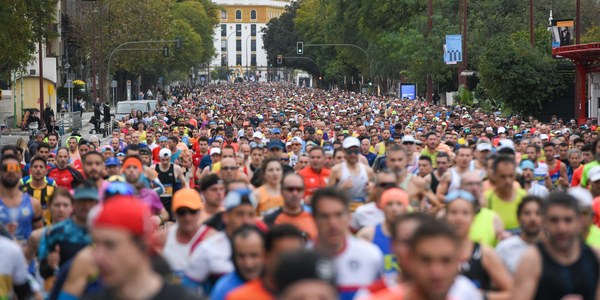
x,y
371,214
20,213
408,141
172,178
181,238
351,175
293,212
230,171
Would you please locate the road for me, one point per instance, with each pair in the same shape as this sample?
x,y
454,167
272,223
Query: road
x,y
11,139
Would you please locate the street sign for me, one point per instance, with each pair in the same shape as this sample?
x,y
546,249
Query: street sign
x,y
69,84
113,84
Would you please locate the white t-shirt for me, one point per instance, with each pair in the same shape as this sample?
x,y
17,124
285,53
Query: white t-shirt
x,y
510,251
211,257
13,267
538,189
367,215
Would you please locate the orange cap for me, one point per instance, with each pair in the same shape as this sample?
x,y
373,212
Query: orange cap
x,y
132,161
393,194
189,198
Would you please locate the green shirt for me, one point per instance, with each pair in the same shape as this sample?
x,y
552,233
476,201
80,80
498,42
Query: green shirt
x,y
593,237
586,169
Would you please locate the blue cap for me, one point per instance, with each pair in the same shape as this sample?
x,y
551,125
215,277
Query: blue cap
x,y
276,131
527,164
120,154
275,144
112,161
163,139
86,193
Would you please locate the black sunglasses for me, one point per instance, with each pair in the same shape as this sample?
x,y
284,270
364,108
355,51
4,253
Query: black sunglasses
x,y
292,189
186,211
386,185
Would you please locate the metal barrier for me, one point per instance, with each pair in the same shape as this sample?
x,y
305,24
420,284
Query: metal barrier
x,y
69,121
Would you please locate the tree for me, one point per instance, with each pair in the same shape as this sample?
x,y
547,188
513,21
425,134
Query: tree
x,y
24,24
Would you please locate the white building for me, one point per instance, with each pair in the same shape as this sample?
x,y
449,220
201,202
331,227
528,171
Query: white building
x,y
238,38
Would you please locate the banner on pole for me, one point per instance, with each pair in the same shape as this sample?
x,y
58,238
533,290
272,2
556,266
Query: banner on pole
x,y
453,49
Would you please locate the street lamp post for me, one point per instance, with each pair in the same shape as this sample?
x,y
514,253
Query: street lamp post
x,y
227,41
247,62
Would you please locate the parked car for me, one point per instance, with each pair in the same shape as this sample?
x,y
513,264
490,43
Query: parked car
x,y
124,107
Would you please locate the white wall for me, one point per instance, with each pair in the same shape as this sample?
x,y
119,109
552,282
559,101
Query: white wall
x,y
261,55
594,94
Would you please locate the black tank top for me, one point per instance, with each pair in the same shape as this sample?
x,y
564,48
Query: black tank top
x,y
579,278
473,269
169,181
434,182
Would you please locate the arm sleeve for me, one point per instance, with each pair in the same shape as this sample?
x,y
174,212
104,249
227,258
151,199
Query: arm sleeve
x,y
160,188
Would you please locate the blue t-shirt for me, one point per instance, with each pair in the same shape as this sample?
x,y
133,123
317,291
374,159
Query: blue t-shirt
x,y
69,236
226,284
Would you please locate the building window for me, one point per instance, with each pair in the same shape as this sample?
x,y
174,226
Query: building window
x,y
223,14
223,45
238,14
238,59
223,60
253,30
253,60
238,30
224,30
253,14
238,45
252,45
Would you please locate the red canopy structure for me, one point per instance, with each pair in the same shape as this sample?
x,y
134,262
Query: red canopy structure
x,y
586,58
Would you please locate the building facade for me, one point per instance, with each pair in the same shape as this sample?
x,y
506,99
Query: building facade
x,y
238,38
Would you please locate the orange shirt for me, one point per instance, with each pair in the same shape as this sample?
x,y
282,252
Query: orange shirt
x,y
577,176
303,221
313,180
253,289
266,201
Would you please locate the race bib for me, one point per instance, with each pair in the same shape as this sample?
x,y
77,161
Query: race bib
x,y
168,190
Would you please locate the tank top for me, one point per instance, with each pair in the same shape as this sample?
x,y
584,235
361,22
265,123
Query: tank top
x,y
506,210
22,215
383,242
434,182
359,183
579,278
482,229
176,253
454,181
555,173
168,180
473,269
404,184
267,203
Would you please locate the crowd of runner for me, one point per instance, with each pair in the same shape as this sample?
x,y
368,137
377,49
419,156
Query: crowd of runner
x,y
267,191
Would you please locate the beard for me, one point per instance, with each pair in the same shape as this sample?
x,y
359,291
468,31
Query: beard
x,y
9,182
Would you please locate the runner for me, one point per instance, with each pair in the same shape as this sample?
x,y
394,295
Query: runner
x,y
315,175
171,176
63,174
548,270
39,186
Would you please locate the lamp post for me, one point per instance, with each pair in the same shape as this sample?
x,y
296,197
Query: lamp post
x,y
227,41
247,62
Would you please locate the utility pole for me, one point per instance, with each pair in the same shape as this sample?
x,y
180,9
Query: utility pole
x,y
429,28
41,64
577,21
531,24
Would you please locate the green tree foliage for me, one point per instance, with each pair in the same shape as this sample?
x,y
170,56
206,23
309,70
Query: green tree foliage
x,y
23,25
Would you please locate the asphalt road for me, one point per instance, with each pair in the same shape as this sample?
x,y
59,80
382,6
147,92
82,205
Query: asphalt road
x,y
11,138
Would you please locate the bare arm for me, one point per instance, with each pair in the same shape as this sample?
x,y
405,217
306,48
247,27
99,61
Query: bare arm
x,y
500,277
366,233
528,275
33,243
443,186
83,266
181,177
333,176
37,215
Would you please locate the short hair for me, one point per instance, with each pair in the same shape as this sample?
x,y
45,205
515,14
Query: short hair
x,y
549,144
433,228
580,140
37,158
288,174
587,148
563,144
427,135
133,147
526,200
54,134
331,193
536,147
418,217
426,158
442,154
85,156
12,148
244,232
316,148
574,151
174,139
228,147
60,191
8,157
560,199
43,145
279,232
503,158
203,139
395,148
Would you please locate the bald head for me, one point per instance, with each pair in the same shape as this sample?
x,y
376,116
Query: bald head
x,y
472,182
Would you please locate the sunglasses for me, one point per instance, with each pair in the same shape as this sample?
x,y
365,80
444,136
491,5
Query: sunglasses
x,y
292,189
285,159
459,194
352,151
408,143
386,185
11,167
186,211
229,168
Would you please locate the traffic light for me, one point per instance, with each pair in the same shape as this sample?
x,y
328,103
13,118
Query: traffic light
x,y
279,59
165,51
300,48
178,43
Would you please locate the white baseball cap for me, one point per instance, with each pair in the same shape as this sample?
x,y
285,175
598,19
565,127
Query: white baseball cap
x,y
584,196
350,142
215,151
484,147
501,130
408,139
594,174
257,135
164,152
544,136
